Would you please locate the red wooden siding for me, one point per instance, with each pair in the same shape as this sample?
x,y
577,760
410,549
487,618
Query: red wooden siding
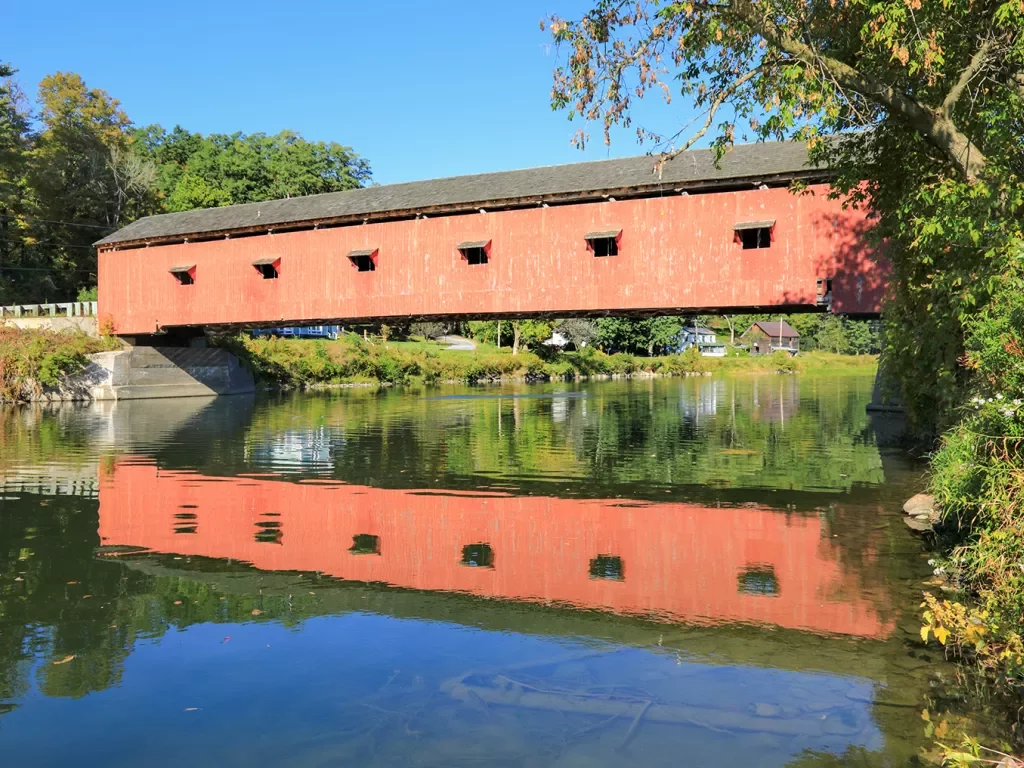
x,y
676,253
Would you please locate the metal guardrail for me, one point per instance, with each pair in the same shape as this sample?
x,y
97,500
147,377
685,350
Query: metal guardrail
x,y
63,309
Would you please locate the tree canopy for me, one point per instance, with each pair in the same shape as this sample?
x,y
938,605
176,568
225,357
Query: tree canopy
x,y
73,167
917,107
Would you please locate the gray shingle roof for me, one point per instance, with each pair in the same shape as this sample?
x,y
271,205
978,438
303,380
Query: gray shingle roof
x,y
766,161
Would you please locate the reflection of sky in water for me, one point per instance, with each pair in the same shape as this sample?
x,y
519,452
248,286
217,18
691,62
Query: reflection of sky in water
x,y
364,689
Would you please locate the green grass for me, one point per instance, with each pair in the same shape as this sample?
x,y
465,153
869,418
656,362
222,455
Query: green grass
x,y
351,359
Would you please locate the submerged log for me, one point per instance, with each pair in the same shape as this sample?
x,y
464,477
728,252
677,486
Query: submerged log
x,y
603,705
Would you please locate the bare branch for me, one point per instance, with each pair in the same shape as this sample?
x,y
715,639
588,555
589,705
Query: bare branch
x,y
976,64
716,104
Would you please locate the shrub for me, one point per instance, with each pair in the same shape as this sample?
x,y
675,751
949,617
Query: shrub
x,y
33,359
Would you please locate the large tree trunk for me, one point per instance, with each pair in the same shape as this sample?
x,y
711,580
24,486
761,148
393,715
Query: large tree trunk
x,y
515,337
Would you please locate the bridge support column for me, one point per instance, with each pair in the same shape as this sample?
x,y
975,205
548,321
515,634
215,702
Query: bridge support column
x,y
169,365
882,402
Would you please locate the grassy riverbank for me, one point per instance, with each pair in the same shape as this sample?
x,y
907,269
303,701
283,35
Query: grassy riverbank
x,y
352,360
31,360
978,483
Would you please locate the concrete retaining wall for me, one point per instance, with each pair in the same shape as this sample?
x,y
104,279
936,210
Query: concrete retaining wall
x,y
140,373
151,372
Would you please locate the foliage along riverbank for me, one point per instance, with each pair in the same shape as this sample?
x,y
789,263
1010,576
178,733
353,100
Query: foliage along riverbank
x,y
31,360
353,360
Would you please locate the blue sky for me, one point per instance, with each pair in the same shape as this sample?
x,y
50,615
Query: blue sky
x,y
421,89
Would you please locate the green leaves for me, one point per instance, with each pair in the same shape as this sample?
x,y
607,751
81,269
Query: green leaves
x,y
86,170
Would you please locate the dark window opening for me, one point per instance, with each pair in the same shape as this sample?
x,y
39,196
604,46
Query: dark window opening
x,y
757,237
186,516
183,275
824,287
607,567
604,243
478,556
605,246
364,263
365,544
268,269
363,260
759,580
269,532
474,256
186,529
474,251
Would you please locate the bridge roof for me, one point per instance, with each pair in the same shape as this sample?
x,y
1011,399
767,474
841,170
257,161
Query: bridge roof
x,y
767,162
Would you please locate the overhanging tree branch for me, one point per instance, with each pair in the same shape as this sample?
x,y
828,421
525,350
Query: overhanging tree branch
x,y
976,64
716,104
937,128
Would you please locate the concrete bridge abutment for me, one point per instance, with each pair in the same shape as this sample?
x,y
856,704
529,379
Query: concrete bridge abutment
x,y
172,365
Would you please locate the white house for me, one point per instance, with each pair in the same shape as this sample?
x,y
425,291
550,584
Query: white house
x,y
703,338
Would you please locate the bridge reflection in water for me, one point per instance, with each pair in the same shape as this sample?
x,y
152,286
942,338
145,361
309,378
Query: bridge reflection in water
x,y
670,561
595,575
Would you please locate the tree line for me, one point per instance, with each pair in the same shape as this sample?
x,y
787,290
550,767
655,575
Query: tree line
x,y
648,336
74,167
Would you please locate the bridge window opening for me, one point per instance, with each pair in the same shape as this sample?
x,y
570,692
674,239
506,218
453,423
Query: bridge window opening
x,y
608,567
478,556
364,260
824,290
754,234
365,544
759,579
268,268
269,532
475,252
604,243
184,275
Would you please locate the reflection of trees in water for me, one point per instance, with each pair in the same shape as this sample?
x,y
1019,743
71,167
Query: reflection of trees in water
x,y
48,543
781,432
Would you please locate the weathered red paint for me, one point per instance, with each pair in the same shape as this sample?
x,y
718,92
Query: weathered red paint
x,y
681,561
676,253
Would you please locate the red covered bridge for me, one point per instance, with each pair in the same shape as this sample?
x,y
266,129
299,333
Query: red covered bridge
x,y
606,237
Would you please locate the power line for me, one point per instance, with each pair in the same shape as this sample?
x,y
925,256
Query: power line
x,y
5,268
51,244
56,221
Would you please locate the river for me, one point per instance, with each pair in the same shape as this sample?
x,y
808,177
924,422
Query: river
x,y
700,571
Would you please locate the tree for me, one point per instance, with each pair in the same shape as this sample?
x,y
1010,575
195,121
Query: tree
x,y
199,171
621,334
580,332
936,89
814,67
15,139
832,336
80,169
662,333
527,332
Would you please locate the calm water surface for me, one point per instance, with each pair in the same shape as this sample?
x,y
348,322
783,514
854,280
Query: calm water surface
x,y
705,572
